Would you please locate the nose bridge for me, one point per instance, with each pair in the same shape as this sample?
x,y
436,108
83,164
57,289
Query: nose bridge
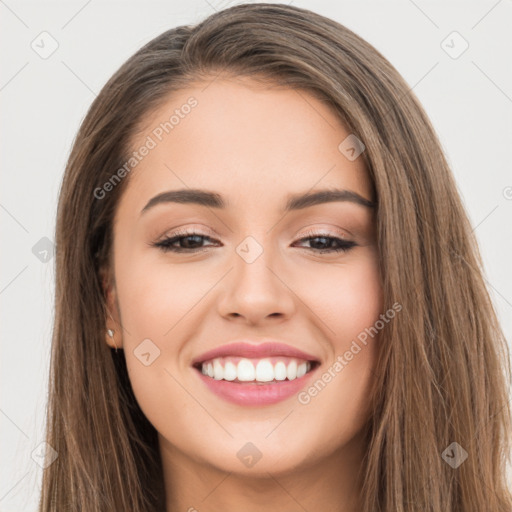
x,y
254,259
255,290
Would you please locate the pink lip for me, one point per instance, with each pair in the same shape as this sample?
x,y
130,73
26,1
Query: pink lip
x,y
255,394
250,350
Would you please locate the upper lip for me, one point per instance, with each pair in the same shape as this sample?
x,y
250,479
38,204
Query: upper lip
x,y
249,349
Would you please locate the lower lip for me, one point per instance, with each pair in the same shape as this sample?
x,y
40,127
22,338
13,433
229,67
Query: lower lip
x,y
255,394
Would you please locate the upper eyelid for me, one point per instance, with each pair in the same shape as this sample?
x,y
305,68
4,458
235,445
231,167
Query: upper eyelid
x,y
320,232
310,233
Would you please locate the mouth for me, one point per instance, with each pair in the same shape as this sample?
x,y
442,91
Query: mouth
x,y
255,382
253,374
255,371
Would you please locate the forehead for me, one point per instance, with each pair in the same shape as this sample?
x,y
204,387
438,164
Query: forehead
x,y
247,141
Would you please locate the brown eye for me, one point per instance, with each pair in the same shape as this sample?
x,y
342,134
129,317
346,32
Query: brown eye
x,y
340,244
189,241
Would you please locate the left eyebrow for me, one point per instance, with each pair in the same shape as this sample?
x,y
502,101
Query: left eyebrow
x,y
294,202
300,201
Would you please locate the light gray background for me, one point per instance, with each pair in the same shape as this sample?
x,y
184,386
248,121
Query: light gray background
x,y
469,100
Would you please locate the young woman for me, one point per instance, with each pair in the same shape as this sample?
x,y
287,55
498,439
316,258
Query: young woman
x,y
269,296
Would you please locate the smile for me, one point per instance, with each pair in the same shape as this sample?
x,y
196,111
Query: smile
x,y
255,382
264,370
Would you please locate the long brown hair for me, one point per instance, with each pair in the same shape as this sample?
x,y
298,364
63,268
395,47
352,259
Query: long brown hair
x,y
444,363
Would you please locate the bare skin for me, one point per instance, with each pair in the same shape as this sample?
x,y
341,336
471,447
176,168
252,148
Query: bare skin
x,y
254,146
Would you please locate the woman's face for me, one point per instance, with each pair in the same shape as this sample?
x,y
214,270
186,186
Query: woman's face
x,y
247,270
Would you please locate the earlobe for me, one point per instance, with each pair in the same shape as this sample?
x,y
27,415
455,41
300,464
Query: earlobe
x,y
111,342
113,333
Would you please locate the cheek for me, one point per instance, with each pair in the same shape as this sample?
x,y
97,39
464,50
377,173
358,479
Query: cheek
x,y
154,297
349,302
359,302
346,298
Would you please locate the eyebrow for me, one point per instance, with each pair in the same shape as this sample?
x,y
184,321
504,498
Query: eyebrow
x,y
295,201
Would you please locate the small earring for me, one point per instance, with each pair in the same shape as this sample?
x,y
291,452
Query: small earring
x,y
110,332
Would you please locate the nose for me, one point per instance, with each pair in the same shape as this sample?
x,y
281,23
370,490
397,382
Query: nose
x,y
256,290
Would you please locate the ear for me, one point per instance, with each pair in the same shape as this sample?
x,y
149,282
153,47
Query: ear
x,y
112,318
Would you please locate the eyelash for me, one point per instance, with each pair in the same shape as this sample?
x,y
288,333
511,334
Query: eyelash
x,y
165,245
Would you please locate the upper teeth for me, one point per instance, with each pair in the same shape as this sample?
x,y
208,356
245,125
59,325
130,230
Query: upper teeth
x,y
261,370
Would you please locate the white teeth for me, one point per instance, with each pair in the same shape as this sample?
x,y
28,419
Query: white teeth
x,y
218,371
291,371
230,372
245,371
280,371
264,371
301,370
